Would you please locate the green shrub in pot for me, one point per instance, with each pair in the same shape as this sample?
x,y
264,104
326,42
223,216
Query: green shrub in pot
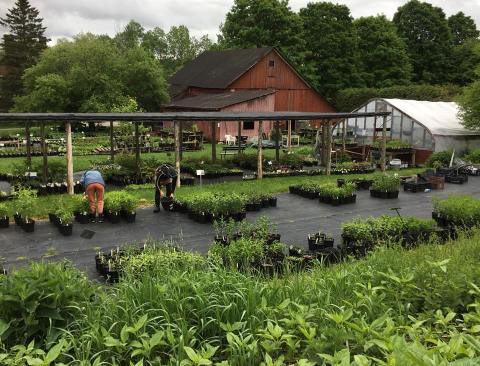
x,y
3,211
26,202
386,183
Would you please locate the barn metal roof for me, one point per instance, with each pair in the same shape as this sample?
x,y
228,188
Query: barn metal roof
x,y
217,101
182,116
441,118
218,69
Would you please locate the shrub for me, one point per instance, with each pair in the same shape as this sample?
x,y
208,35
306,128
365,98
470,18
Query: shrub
x,y
65,215
460,210
79,203
390,228
331,190
439,159
38,301
473,156
386,183
117,201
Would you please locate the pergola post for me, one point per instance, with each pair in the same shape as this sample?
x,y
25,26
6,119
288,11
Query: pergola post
x,y
239,137
289,135
176,130
137,148
181,139
44,153
260,151
112,147
214,141
324,144
68,131
28,142
383,160
277,141
329,147
344,135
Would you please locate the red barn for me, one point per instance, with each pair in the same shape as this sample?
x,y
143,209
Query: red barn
x,y
243,80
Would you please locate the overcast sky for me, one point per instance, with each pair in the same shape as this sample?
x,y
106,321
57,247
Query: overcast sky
x,y
65,18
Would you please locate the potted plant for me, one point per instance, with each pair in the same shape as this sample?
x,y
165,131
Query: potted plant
x,y
113,206
129,204
385,186
65,221
81,209
26,203
4,219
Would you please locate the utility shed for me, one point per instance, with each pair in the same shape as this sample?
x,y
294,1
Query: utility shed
x,y
428,126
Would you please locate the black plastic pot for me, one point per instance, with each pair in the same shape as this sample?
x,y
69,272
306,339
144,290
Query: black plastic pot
x,y
129,216
28,226
239,216
114,217
272,201
4,222
18,219
253,206
65,229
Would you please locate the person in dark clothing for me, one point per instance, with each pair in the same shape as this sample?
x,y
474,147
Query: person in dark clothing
x,y
165,175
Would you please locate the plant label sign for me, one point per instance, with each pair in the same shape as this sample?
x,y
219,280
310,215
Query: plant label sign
x,y
31,174
200,172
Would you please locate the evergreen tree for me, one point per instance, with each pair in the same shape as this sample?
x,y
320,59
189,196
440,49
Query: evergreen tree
x,y
331,45
383,56
22,45
427,35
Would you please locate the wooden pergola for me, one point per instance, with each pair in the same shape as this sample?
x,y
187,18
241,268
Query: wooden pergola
x,y
178,117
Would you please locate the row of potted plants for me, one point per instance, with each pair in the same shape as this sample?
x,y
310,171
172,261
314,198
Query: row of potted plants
x,y
227,231
332,194
58,188
457,211
137,260
385,186
360,235
350,167
206,207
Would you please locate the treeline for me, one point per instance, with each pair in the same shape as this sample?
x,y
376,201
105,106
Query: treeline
x,y
336,52
420,54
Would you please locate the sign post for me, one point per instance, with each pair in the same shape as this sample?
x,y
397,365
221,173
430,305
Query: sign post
x,y
200,173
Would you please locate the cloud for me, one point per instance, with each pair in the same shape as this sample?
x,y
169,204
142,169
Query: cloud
x,y
66,18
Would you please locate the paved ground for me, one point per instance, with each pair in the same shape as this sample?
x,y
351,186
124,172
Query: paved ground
x,y
295,217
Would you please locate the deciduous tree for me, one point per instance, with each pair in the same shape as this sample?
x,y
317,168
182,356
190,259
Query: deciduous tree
x,y
427,35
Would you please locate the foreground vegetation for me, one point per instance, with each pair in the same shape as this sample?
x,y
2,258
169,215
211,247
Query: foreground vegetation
x,y
395,307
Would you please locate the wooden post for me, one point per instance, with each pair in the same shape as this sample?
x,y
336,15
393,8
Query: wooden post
x,y
324,145
277,141
384,144
68,131
112,147
176,125
181,139
329,147
28,142
344,134
44,153
260,152
214,141
239,137
289,135
137,148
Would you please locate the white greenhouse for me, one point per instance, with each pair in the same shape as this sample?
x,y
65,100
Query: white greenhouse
x,y
427,126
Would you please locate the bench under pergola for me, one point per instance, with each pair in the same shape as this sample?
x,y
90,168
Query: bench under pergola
x,y
177,118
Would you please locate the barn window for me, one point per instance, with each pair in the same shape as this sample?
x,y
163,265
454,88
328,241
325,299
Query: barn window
x,y
248,125
271,63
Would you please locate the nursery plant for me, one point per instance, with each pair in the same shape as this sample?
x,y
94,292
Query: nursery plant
x,y
4,219
457,210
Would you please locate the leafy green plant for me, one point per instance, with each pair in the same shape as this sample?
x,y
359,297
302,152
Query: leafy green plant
x,y
439,159
461,210
386,183
65,215
26,202
3,210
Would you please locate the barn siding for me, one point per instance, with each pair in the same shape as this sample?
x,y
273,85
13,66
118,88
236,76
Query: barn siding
x,y
264,104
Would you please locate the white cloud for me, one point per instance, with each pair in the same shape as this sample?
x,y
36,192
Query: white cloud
x,y
65,18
